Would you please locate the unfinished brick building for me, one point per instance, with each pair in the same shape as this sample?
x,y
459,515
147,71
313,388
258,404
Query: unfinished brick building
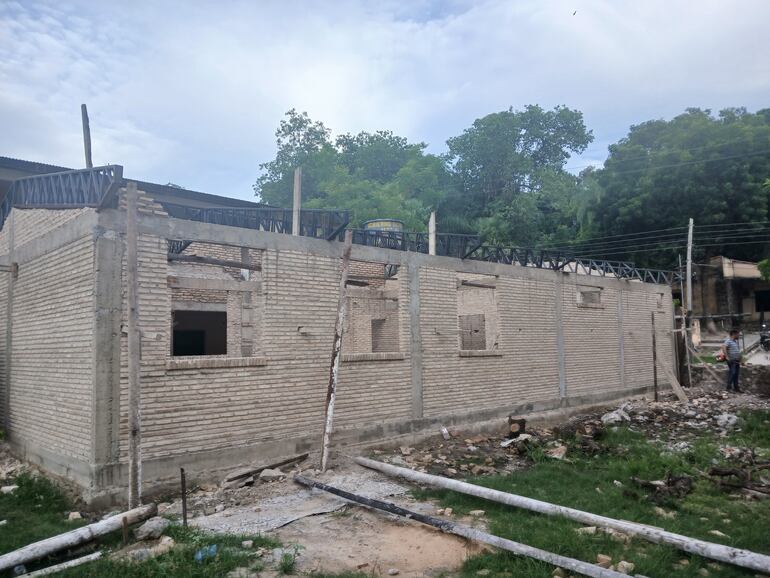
x,y
235,347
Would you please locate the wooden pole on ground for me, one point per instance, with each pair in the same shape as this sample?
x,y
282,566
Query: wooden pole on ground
x,y
296,212
65,565
720,552
470,533
654,358
334,366
86,135
74,538
134,351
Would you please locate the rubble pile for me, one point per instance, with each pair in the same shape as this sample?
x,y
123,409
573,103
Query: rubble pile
x,y
673,423
10,467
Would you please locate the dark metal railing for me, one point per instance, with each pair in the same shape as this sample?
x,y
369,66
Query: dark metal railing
x,y
447,244
69,189
316,223
95,187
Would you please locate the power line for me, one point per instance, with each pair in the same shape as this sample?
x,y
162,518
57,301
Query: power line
x,y
662,152
692,162
659,248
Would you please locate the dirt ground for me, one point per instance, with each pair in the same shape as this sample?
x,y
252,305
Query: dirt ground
x,y
372,543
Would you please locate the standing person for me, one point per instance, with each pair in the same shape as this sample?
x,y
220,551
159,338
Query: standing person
x,y
732,352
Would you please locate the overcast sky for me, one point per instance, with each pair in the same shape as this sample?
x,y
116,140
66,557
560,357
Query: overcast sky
x,y
192,92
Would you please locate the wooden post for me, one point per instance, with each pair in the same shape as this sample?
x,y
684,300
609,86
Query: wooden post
x,y
432,234
685,326
296,213
331,392
184,497
134,345
125,531
654,358
86,135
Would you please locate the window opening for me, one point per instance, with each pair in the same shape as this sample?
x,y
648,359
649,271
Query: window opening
x,y
199,333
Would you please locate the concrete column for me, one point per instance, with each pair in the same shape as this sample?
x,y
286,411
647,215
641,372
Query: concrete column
x,y
108,302
9,325
415,341
621,340
560,335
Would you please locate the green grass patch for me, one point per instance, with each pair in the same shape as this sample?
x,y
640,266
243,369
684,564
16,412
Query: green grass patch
x,y
588,483
181,562
36,510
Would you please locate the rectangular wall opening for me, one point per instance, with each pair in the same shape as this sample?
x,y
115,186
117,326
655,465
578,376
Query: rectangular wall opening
x,y
473,335
199,333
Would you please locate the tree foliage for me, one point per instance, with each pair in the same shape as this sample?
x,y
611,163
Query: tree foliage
x,y
698,165
504,177
508,172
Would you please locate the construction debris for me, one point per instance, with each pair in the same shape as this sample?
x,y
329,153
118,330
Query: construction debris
x,y
152,528
246,476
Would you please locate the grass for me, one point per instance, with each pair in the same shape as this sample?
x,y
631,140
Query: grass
x,y
180,562
38,509
589,484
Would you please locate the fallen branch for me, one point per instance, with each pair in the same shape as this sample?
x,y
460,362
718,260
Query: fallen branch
x,y
720,552
65,565
75,537
470,533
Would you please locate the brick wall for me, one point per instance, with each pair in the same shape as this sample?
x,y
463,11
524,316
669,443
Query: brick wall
x,y
52,351
31,223
272,386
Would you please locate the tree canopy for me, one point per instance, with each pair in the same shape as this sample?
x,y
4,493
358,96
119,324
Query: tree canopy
x,y
708,167
504,177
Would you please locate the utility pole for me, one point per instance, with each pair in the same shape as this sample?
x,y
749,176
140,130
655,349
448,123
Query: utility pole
x,y
86,136
296,213
688,317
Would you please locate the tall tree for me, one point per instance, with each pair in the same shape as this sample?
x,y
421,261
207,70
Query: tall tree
x,y
373,175
698,165
501,165
300,142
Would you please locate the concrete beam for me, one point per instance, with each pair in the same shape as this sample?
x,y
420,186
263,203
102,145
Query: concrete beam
x,y
212,284
171,228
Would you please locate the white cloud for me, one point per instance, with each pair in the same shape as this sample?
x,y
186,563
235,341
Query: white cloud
x,y
191,92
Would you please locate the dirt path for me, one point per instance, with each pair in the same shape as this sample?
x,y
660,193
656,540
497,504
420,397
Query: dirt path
x,y
373,543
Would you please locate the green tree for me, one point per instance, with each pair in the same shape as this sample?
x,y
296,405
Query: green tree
x,y
698,165
300,142
508,172
373,175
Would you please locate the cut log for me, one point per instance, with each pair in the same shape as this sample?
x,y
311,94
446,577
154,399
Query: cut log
x,y
720,552
450,527
75,537
65,565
